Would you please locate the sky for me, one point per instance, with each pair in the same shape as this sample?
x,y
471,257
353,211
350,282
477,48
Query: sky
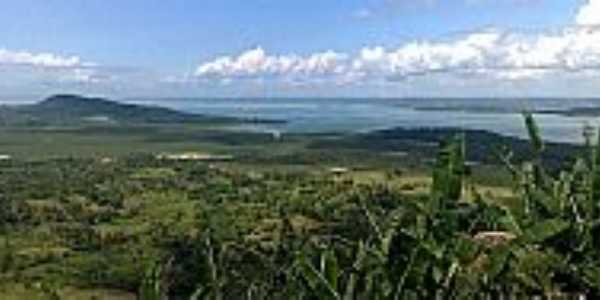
x,y
300,48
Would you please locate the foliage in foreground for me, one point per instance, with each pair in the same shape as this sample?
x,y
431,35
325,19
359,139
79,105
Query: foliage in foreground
x,y
181,231
546,243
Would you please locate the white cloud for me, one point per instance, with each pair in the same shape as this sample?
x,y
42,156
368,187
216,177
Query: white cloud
x,y
493,53
257,63
490,54
589,13
41,60
52,69
503,55
83,76
419,58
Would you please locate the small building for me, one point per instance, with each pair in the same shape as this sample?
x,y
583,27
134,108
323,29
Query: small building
x,y
106,160
338,170
196,157
276,135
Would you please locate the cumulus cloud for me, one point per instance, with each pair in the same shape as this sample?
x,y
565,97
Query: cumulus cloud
x,y
492,53
49,68
503,55
41,60
257,63
418,58
589,13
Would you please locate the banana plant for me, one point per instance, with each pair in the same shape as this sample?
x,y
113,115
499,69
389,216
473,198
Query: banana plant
x,y
444,246
560,216
211,287
152,287
450,170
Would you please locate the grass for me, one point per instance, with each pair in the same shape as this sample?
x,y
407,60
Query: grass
x,y
49,143
17,291
88,226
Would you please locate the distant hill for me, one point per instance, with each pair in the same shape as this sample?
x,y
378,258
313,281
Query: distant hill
x,y
590,112
483,146
73,109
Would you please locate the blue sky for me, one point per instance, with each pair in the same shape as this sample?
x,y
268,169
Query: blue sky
x,y
381,48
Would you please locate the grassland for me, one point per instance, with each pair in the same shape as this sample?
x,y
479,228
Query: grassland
x,y
91,212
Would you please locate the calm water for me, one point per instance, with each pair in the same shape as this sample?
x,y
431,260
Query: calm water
x,y
360,115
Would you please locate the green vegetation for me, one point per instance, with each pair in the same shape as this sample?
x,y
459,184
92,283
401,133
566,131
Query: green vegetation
x,y
278,222
61,110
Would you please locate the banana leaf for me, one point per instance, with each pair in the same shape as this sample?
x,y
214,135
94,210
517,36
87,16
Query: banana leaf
x,y
545,230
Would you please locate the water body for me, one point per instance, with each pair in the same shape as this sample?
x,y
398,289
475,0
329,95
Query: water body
x,y
362,115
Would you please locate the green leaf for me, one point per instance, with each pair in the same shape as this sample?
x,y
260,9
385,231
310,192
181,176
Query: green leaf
x,y
591,274
498,259
550,204
535,269
544,230
595,197
316,281
331,270
508,221
452,270
450,169
466,250
534,133
361,255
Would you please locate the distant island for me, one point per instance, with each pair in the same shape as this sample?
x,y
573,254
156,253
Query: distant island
x,y
593,111
574,112
74,109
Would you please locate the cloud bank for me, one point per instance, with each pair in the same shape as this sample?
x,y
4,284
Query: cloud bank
x,y
486,56
492,53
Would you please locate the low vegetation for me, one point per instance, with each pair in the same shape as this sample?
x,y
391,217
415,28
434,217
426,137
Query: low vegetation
x,y
138,226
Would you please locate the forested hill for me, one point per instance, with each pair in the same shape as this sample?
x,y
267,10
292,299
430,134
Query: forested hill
x,y
483,146
72,109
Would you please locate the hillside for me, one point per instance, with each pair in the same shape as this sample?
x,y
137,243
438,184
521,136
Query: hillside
x,y
72,109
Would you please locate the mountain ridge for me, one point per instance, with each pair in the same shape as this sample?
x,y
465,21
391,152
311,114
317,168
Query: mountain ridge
x,y
70,109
